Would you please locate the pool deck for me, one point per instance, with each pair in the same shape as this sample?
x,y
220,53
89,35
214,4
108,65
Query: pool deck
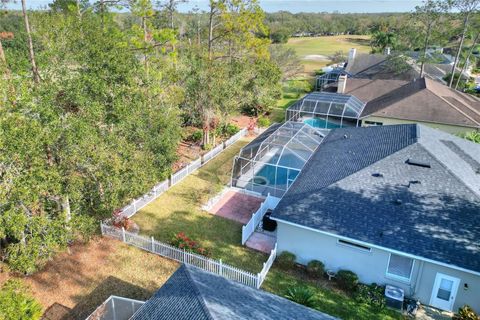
x,y
236,206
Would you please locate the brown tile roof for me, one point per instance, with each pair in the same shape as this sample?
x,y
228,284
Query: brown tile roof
x,y
423,100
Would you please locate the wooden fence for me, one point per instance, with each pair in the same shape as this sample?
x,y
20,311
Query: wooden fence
x,y
180,255
178,176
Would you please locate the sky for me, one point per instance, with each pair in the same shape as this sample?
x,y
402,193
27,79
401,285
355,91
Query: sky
x,y
343,6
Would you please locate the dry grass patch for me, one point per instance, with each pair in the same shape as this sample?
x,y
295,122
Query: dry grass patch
x,y
85,278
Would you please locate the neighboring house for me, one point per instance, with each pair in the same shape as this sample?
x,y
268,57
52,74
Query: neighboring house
x,y
192,293
421,101
383,102
397,205
381,66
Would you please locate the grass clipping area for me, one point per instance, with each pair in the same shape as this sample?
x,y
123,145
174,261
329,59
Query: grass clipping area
x,y
179,210
74,284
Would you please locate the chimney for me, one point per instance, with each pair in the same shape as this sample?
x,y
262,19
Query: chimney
x,y
351,55
388,50
342,83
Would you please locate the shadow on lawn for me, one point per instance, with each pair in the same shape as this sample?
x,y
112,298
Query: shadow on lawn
x,y
69,268
220,235
110,286
360,42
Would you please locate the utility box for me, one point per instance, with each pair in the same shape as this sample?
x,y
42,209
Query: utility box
x,y
394,297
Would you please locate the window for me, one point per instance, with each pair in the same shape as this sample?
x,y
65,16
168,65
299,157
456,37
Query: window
x,y
400,267
372,123
354,245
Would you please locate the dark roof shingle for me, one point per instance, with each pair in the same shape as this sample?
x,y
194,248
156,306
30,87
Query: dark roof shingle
x,y
431,212
191,293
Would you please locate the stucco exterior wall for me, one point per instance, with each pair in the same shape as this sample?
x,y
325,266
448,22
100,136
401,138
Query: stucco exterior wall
x,y
371,266
444,127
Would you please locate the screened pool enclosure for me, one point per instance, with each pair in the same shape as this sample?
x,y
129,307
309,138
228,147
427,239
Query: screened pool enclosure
x,y
323,81
270,163
326,110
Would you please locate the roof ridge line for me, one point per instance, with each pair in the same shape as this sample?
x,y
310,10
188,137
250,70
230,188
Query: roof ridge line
x,y
461,95
454,107
449,170
197,290
416,140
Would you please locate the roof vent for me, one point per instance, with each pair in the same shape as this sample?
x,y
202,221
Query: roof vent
x,y
413,162
413,182
345,136
397,202
377,175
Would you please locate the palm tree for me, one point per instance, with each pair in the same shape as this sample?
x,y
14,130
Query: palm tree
x,y
383,40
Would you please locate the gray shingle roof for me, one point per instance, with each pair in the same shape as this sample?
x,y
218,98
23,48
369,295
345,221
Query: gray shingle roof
x,y
429,212
191,293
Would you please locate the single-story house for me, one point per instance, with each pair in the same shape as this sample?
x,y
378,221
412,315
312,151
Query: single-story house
x,y
391,67
193,294
367,102
421,101
397,205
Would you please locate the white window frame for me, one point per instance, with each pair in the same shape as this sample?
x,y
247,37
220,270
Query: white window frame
x,y
397,277
353,245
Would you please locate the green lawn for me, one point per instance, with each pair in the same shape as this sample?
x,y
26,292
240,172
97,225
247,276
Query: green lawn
x,y
292,90
179,210
326,46
327,298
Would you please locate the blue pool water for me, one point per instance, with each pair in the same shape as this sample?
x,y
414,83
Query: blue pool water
x,y
266,176
321,123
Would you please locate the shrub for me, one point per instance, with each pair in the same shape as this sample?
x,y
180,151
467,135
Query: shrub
x,y
230,129
122,222
207,146
301,295
181,241
315,268
465,313
196,136
347,280
286,260
16,303
372,294
263,122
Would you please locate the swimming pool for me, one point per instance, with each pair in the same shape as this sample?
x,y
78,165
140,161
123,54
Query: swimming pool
x,y
267,174
321,123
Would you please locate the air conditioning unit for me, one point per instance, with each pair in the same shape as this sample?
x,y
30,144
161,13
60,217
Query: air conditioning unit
x,y
394,297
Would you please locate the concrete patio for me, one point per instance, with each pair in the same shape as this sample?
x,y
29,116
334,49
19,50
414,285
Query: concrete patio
x,y
261,241
236,206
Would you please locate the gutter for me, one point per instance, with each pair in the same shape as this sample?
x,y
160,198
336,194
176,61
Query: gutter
x,y
409,255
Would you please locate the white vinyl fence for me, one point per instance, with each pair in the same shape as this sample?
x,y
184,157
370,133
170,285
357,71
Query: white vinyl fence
x,y
178,176
269,204
180,255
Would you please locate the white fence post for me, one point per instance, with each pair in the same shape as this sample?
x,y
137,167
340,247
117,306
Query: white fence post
x,y
153,245
123,235
221,268
101,228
